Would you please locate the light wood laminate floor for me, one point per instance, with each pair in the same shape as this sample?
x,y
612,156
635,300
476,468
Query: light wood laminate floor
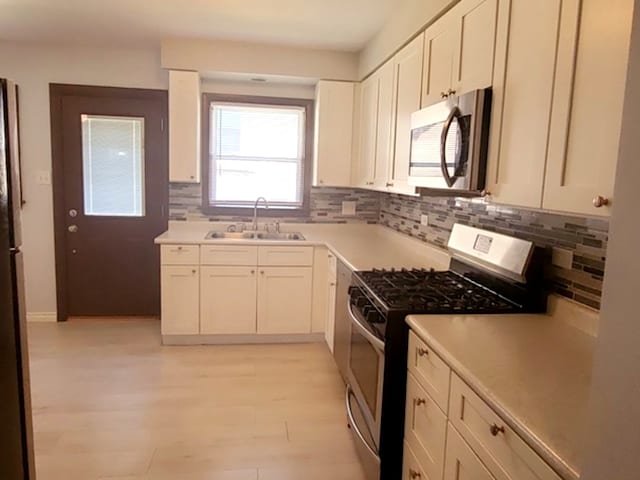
x,y
110,403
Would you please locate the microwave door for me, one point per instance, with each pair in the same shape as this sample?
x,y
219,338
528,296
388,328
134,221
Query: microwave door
x,y
425,156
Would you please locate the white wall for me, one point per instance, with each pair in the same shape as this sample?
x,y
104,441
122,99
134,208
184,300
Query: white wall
x,y
269,89
33,68
257,59
613,438
409,18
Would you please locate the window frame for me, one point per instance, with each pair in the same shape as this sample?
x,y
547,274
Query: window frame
x,y
307,157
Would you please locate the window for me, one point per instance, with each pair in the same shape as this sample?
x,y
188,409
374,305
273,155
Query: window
x,y
257,147
112,165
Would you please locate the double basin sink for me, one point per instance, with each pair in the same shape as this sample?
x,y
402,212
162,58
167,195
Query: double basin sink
x,y
252,235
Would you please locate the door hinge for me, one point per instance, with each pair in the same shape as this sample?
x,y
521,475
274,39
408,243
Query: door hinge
x,y
162,124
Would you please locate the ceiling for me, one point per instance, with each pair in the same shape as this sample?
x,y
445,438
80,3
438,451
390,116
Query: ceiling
x,y
331,24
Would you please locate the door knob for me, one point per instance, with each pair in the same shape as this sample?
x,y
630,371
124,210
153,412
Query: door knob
x,y
72,228
600,201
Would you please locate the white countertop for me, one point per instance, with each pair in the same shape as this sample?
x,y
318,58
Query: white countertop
x,y
533,370
360,246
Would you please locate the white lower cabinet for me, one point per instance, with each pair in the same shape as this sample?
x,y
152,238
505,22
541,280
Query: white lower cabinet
x,y
479,445
461,462
224,308
284,300
268,291
180,293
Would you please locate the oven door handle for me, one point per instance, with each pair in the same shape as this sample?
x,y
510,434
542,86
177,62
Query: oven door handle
x,y
354,425
375,341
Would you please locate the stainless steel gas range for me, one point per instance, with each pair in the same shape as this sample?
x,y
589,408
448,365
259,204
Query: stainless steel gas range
x,y
489,273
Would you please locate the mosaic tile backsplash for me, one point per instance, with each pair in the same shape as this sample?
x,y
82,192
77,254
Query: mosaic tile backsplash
x,y
185,204
585,237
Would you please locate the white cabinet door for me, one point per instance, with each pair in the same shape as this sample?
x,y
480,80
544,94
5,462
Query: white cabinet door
x,y
408,92
527,46
476,33
386,125
367,132
440,44
332,278
184,126
460,461
180,309
333,133
584,140
284,300
227,300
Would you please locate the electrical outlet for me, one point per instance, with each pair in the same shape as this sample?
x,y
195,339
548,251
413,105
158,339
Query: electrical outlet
x,y
349,208
43,177
424,220
562,258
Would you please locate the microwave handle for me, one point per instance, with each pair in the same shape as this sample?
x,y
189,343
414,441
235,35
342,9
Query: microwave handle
x,y
455,114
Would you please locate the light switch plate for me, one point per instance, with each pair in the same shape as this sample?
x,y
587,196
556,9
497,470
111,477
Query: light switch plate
x,y
43,177
349,208
424,220
562,258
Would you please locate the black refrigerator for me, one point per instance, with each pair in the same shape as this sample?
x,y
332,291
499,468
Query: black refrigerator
x,y
16,431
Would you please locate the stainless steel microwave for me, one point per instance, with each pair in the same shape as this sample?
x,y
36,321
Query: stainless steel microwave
x,y
449,144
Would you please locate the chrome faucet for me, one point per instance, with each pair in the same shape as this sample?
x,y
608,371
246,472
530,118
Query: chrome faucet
x,y
255,212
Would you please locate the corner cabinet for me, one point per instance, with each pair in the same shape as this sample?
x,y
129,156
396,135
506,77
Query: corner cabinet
x,y
333,133
184,126
216,293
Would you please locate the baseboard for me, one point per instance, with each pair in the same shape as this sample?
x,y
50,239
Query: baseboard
x,y
240,339
40,317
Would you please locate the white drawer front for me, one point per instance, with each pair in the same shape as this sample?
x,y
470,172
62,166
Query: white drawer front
x,y
462,463
411,469
236,255
180,254
285,256
425,428
430,371
506,455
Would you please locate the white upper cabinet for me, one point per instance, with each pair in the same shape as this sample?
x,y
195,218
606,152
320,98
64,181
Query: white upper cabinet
x,y
439,50
367,132
408,91
459,50
476,36
184,126
528,50
385,127
333,133
584,139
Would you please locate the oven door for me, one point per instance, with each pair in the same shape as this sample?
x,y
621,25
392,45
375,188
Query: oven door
x,y
449,144
366,371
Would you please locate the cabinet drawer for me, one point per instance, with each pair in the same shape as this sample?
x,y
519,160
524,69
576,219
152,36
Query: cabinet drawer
x,y
497,445
239,255
430,371
180,254
425,428
462,463
411,469
285,256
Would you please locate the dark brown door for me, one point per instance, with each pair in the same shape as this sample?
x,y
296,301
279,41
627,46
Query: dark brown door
x,y
110,192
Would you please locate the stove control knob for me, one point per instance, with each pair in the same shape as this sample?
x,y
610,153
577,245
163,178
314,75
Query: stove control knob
x,y
374,316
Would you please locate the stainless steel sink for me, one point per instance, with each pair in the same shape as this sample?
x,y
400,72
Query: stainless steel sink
x,y
249,235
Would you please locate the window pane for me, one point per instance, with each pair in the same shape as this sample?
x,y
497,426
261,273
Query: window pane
x,y
245,180
113,165
256,150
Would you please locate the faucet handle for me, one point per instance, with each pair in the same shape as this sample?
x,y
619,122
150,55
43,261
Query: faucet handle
x,y
277,225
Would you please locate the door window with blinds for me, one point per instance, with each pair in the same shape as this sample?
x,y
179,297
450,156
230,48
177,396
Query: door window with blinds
x,y
256,150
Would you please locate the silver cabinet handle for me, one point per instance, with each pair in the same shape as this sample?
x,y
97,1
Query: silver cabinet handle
x,y
253,272
600,201
443,95
352,421
422,352
420,401
495,430
451,92
413,475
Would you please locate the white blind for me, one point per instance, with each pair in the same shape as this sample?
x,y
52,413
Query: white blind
x,y
256,151
113,165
